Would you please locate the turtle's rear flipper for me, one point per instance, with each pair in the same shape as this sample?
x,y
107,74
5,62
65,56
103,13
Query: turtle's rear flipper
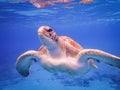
x,y
24,62
102,56
92,63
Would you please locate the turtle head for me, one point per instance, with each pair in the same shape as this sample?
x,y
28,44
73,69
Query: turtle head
x,y
47,35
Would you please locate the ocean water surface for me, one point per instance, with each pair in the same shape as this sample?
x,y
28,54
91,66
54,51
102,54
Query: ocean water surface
x,y
93,25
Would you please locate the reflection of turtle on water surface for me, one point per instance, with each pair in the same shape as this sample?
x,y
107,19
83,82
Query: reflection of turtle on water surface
x,y
62,54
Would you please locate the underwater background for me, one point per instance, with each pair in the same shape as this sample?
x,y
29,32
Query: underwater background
x,y
93,25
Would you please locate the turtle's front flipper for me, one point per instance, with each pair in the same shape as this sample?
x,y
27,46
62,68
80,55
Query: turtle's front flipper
x,y
102,56
25,60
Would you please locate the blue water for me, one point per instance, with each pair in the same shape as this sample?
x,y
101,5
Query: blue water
x,y
95,25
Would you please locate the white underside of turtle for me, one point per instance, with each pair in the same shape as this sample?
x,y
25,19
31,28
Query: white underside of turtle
x,y
62,54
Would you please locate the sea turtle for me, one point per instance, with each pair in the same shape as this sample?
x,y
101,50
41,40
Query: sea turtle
x,y
62,54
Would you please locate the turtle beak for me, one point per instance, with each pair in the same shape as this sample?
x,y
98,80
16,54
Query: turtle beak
x,y
41,30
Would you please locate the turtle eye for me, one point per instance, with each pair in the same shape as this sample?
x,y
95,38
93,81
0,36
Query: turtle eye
x,y
49,30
